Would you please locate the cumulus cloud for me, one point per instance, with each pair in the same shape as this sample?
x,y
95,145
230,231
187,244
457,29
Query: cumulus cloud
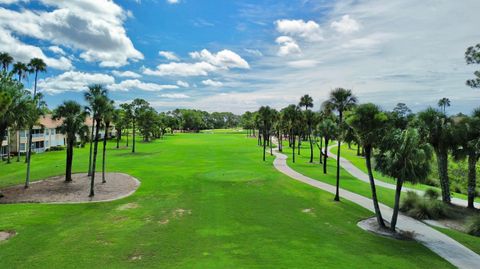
x,y
168,55
135,84
223,59
126,74
173,1
175,96
309,31
95,27
288,46
207,62
346,25
212,83
183,84
72,81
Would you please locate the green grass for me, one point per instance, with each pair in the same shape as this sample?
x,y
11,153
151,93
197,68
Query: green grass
x,y
244,214
348,182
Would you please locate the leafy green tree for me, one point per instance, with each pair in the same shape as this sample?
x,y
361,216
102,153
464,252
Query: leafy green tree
x,y
472,56
93,96
405,157
137,106
467,134
368,121
340,100
436,127
73,123
21,70
443,104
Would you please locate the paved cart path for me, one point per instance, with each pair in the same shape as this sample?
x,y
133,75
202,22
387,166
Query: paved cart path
x,y
447,248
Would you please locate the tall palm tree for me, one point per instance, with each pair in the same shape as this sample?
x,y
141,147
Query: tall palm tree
x,y
293,117
306,101
35,109
436,128
108,115
443,104
21,70
405,157
99,104
127,117
467,133
328,130
94,93
311,119
36,66
369,123
5,60
340,100
265,113
73,123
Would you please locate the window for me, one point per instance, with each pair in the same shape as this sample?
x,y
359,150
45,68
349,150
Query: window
x,y
22,146
23,133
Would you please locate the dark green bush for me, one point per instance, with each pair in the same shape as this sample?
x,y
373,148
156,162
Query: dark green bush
x,y
473,225
425,207
409,201
431,194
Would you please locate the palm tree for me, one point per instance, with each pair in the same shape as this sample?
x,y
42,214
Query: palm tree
x,y
265,113
311,119
340,100
127,117
443,104
435,127
472,56
108,115
328,130
293,117
73,123
21,70
34,110
467,133
137,106
5,60
94,93
405,157
369,122
99,104
36,65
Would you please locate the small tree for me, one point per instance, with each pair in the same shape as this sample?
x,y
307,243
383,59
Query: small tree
x,y
443,104
404,157
472,56
73,123
328,130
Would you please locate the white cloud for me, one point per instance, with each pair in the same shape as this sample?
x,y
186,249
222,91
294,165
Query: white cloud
x,y
8,2
346,25
95,27
126,74
72,81
288,46
309,31
173,1
254,52
168,55
181,69
225,59
183,84
135,84
175,96
302,63
57,50
212,83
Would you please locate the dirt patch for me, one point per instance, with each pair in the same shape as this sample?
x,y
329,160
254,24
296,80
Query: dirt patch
x,y
178,213
128,206
55,190
371,225
5,235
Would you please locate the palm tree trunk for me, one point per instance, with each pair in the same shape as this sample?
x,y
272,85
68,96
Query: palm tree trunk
x,y
271,145
472,179
264,146
311,147
337,187
293,148
396,206
133,138
378,213
94,161
299,144
358,150
8,145
105,136
68,170
128,134
29,155
91,148
442,161
119,134
325,156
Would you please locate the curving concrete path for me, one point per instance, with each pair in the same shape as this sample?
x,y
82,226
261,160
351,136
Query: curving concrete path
x,y
444,246
356,172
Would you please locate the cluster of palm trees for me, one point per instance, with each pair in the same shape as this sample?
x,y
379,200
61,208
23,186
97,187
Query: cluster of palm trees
x,y
401,143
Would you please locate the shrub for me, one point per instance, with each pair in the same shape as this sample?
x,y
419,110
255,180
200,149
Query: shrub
x,y
409,202
56,148
431,194
473,225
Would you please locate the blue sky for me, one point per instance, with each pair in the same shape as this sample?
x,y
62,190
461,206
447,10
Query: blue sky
x,y
239,55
